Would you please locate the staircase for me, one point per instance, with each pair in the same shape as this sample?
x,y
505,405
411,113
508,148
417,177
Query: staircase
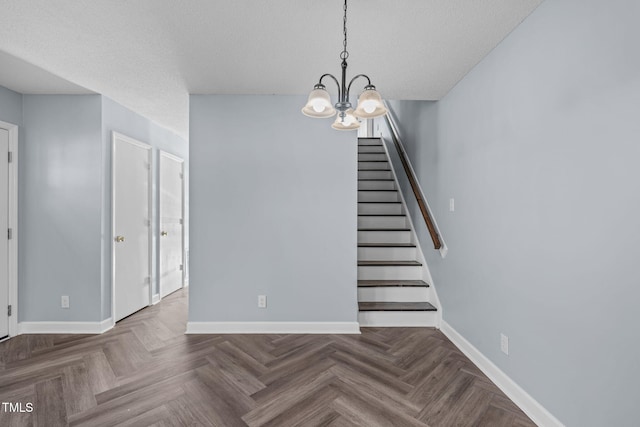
x,y
392,286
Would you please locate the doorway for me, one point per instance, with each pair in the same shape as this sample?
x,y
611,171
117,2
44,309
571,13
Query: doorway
x,y
8,230
131,226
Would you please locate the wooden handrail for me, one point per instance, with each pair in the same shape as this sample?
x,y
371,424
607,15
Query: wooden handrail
x,y
433,232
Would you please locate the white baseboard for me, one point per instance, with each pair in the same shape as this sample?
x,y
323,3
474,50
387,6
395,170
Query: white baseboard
x,y
155,299
273,328
106,324
528,404
65,327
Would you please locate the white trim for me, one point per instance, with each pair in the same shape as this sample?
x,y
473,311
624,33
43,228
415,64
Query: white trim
x,y
159,255
273,328
528,404
106,325
433,292
171,156
65,327
12,220
129,140
394,319
155,299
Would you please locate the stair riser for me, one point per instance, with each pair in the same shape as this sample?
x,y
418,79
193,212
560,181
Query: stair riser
x,y
398,318
374,174
370,141
390,273
373,165
378,196
382,222
384,237
371,149
372,156
393,294
380,208
376,185
386,254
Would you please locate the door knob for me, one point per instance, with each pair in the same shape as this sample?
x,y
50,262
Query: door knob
x,y
119,239
164,233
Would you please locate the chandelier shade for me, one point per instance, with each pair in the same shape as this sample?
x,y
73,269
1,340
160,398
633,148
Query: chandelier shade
x,y
348,122
370,104
319,104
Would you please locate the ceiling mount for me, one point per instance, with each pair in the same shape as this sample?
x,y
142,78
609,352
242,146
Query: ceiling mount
x,y
319,103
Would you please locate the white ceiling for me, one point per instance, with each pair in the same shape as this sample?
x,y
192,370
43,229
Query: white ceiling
x,y
150,54
23,77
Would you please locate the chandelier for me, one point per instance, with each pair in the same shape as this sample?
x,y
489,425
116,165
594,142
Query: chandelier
x,y
369,103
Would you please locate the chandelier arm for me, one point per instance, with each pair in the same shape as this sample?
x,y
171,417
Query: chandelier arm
x,y
353,79
343,106
334,79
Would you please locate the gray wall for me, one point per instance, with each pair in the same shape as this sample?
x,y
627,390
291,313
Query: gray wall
x,y
273,209
59,208
539,147
117,118
10,106
419,123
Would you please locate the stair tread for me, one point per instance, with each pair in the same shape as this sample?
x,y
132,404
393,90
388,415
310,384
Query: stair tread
x,y
372,161
374,170
367,189
386,245
382,215
396,306
376,179
407,263
384,229
392,283
380,202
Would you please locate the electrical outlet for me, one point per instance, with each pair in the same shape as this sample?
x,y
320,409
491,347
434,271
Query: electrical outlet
x,y
262,301
452,205
64,301
504,344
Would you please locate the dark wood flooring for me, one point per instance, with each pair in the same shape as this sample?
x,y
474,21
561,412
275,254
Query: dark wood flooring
x,y
147,372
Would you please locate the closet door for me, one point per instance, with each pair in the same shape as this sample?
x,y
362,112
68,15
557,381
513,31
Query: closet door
x,y
131,226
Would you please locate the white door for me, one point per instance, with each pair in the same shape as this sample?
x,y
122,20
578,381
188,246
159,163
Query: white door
x,y
171,223
131,211
4,227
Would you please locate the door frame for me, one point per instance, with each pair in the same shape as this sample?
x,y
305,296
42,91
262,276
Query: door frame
x,y
114,136
12,267
181,160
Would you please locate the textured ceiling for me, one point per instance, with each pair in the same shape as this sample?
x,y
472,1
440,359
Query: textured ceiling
x,y
150,54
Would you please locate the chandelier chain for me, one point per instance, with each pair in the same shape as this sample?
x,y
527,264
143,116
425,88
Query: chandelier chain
x,y
344,55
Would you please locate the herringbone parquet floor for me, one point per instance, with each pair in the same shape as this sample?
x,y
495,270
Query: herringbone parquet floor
x,y
147,372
